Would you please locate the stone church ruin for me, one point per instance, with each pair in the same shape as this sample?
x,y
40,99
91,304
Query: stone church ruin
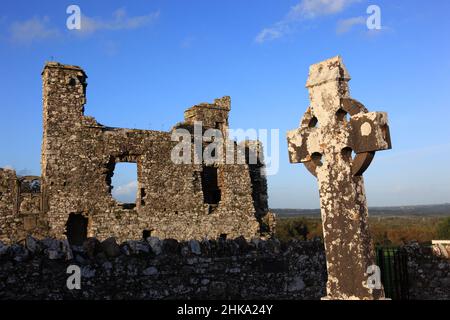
x,y
72,199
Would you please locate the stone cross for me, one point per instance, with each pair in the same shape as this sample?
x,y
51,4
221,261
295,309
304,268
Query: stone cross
x,y
332,129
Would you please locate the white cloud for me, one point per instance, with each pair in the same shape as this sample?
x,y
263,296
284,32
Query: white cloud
x,y
39,28
272,33
32,30
315,8
126,193
346,25
305,9
119,21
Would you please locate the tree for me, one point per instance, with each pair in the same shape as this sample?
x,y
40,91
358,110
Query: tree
x,y
298,229
443,229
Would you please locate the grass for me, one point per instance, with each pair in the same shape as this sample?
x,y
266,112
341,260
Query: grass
x,y
384,230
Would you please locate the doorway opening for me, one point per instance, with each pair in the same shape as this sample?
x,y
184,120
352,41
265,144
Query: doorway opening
x,y
76,229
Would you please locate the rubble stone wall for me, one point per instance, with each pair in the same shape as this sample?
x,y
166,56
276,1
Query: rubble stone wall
x,y
428,272
8,196
20,207
171,269
166,269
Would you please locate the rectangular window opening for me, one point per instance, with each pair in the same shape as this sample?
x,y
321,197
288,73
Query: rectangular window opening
x,y
124,184
210,186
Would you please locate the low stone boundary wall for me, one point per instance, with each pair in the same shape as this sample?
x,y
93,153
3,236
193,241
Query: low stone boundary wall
x,y
428,272
164,269
214,269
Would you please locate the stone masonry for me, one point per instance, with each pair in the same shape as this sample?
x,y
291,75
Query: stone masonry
x,y
170,269
180,201
428,271
20,207
164,269
332,128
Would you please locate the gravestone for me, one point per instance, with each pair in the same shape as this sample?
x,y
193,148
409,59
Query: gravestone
x,y
333,128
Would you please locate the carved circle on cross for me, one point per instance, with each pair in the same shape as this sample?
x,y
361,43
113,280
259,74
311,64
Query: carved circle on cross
x,y
362,160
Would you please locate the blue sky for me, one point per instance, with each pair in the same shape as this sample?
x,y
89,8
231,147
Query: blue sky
x,y
147,61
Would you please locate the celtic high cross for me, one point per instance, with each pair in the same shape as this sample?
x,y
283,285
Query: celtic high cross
x,y
333,128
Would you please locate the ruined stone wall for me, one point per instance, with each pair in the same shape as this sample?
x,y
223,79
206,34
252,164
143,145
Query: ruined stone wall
x,y
20,207
212,116
78,160
9,223
428,272
166,269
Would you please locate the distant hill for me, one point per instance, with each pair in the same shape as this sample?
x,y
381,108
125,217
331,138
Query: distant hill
x,y
435,210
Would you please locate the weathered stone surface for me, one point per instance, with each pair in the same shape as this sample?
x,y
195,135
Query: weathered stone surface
x,y
3,249
297,271
31,244
324,143
170,246
428,272
53,254
91,246
20,207
155,244
216,273
296,284
73,198
110,247
67,249
137,247
150,271
194,245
